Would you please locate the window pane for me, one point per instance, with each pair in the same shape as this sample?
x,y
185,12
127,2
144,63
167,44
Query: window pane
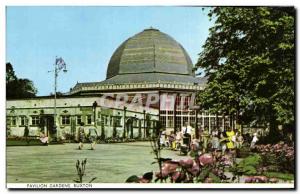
x,y
65,120
78,118
35,120
89,119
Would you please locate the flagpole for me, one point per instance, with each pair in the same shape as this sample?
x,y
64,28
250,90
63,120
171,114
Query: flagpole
x,y
58,66
55,88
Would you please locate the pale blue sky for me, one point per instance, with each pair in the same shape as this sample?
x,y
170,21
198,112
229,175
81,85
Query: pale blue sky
x,y
86,37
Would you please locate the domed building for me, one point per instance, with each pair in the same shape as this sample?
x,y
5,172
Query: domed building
x,y
152,62
148,64
146,58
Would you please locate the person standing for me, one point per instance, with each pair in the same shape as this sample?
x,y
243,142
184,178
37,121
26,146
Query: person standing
x,y
26,131
93,136
81,135
172,142
254,140
215,140
178,140
205,139
231,137
239,140
162,139
186,131
223,142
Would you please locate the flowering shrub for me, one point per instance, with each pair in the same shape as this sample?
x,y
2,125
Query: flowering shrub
x,y
258,179
205,168
279,157
22,138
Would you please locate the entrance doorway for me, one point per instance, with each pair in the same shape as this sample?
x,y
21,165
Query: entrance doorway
x,y
48,125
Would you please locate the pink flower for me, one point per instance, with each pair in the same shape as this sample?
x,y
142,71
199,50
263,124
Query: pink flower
x,y
206,159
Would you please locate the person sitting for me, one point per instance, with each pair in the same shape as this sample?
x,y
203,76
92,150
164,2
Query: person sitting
x,y
43,139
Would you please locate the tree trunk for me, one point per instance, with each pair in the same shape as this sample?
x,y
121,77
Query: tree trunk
x,y
274,135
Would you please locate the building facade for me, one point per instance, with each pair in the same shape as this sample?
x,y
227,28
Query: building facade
x,y
102,113
149,65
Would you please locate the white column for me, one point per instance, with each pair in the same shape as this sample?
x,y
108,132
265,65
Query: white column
x,y
202,120
234,122
223,118
209,124
166,124
181,119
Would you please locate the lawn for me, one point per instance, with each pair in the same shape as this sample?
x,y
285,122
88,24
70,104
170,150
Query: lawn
x,y
110,163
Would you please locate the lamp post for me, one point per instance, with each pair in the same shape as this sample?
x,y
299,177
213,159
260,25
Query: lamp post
x,y
144,122
95,104
124,122
58,66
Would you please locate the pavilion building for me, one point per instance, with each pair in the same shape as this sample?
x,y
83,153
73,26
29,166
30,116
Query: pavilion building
x,y
147,64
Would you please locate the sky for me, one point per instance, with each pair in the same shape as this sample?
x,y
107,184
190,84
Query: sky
x,y
87,36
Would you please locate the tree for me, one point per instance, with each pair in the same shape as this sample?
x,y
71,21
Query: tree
x,y
18,88
57,94
249,58
10,73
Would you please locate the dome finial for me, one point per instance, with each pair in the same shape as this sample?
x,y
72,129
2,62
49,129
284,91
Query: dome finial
x,y
151,28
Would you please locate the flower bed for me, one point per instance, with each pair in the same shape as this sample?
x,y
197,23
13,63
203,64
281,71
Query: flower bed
x,y
22,142
279,157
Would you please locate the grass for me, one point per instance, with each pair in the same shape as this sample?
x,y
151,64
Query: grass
x,y
279,175
110,163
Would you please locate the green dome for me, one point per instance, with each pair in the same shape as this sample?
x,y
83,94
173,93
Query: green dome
x,y
149,52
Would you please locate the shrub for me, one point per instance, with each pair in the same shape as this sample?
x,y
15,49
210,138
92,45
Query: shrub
x,y
280,155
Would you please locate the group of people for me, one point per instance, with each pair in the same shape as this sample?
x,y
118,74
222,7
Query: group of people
x,y
178,139
91,135
227,140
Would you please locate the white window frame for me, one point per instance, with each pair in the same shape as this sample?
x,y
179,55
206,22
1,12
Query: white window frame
x,y
64,119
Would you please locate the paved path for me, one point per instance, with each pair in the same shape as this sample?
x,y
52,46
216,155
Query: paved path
x,y
110,163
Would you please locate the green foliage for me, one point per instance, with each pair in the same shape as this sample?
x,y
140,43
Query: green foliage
x,y
249,170
249,58
254,160
203,174
18,88
215,178
80,168
132,179
10,73
247,166
23,142
279,175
